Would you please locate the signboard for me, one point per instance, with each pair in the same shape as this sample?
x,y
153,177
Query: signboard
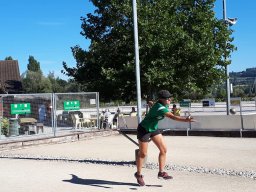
x,y
185,103
20,108
71,105
236,101
92,101
208,102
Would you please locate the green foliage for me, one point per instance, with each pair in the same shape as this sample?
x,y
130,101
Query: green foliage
x,y
73,86
239,91
182,48
57,84
60,86
35,82
8,58
221,93
4,126
33,65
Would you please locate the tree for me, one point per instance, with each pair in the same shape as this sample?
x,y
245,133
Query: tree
x,y
8,58
58,85
72,86
182,48
35,82
33,65
2,88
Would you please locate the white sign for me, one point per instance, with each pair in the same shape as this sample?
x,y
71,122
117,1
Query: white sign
x,y
208,102
92,101
235,101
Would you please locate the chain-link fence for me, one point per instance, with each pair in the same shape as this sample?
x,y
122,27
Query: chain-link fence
x,y
76,111
25,114
48,114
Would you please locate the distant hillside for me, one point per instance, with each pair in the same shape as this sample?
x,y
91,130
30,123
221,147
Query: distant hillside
x,y
246,77
250,72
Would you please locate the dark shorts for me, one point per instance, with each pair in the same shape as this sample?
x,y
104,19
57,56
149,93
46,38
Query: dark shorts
x,y
143,135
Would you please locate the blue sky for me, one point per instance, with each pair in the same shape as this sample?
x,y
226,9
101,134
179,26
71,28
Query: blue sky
x,y
244,32
46,29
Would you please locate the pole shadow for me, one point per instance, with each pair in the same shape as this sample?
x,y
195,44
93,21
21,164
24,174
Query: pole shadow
x,y
102,183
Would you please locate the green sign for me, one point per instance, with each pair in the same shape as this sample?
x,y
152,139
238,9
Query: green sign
x,y
71,105
20,108
185,104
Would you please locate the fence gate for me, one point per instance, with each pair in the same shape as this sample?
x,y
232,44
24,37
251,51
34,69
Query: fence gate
x,y
76,111
26,114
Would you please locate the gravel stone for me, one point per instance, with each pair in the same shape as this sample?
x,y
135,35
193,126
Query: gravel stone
x,y
215,171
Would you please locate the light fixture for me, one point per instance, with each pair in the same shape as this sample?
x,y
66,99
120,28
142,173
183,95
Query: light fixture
x,y
231,21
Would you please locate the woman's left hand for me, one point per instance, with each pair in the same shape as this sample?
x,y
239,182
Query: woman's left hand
x,y
190,118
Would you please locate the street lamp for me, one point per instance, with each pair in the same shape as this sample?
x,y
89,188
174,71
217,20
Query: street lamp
x,y
137,60
229,22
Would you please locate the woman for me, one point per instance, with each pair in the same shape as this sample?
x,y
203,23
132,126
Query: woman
x,y
175,110
148,128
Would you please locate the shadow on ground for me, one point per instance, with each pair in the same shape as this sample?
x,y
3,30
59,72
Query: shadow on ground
x,y
102,183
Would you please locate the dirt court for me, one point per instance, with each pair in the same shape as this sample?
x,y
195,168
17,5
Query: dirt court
x,y
198,164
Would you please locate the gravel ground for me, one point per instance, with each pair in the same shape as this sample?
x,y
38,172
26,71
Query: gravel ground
x,y
107,163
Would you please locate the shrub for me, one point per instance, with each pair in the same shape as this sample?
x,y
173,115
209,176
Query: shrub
x,y
4,126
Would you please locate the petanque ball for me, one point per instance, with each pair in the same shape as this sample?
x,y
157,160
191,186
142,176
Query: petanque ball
x,y
232,111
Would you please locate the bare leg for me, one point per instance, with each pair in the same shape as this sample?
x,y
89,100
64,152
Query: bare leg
x,y
159,142
143,148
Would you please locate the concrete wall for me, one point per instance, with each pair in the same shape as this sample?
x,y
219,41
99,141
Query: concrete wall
x,y
216,122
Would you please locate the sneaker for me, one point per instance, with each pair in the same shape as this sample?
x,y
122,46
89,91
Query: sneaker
x,y
164,175
139,178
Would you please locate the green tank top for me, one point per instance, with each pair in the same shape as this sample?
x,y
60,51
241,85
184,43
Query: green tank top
x,y
155,114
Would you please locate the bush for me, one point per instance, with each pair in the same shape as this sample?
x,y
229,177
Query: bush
x,y
4,126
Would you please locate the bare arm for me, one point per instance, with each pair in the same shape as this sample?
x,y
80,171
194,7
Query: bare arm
x,y
179,118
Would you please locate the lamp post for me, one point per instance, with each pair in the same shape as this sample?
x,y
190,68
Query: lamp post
x,y
229,22
137,60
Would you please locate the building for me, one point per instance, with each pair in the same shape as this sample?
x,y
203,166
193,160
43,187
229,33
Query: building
x,y
10,80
